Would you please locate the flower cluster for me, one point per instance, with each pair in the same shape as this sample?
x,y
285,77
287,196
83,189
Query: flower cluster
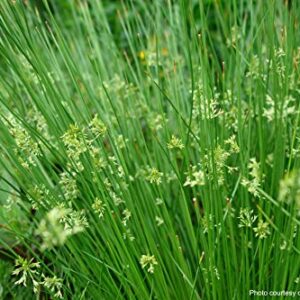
x,y
126,216
99,207
256,177
195,177
39,196
262,230
54,285
289,188
80,140
175,143
69,186
51,230
288,108
74,140
29,271
27,149
154,176
205,108
148,261
97,127
58,224
74,222
246,217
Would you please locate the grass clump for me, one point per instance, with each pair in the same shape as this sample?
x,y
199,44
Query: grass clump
x,y
149,150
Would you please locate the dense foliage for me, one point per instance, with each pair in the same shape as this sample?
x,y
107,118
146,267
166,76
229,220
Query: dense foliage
x,y
149,149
